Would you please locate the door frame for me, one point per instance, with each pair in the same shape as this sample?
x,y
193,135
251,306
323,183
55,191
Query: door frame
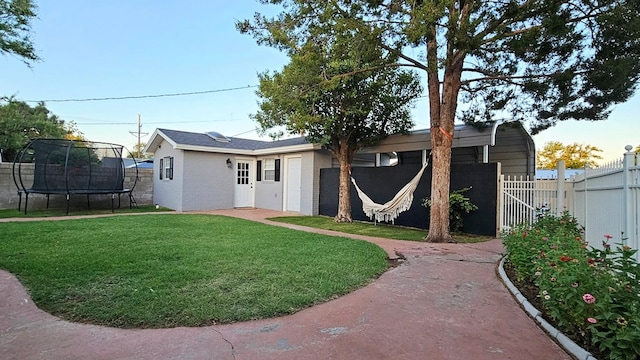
x,y
252,181
285,183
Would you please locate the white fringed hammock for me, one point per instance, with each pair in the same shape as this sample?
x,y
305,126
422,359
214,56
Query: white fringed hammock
x,y
390,210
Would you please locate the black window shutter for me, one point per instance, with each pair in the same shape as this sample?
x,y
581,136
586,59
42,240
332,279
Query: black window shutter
x,y
171,168
277,168
161,168
259,170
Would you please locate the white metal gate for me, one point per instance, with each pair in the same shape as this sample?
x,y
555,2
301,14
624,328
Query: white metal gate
x,y
517,201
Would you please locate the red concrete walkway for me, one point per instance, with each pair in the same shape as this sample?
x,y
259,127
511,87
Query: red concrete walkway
x,y
444,302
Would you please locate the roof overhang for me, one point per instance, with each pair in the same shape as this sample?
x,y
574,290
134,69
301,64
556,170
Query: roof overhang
x,y
158,137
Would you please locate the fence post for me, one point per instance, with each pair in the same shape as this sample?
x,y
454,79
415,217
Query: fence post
x,y
560,188
501,201
627,210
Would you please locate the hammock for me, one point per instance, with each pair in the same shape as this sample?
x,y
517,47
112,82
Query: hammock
x,y
390,210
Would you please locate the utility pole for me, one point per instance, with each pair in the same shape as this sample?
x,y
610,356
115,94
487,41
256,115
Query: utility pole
x,y
138,133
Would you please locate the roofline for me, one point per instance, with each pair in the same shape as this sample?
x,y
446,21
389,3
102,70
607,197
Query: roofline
x,y
268,151
274,150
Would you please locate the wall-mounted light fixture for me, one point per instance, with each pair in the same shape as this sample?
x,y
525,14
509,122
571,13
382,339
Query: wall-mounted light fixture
x,y
229,164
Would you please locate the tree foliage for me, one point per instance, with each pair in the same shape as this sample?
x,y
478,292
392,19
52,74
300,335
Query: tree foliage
x,y
538,61
575,155
322,94
15,29
136,151
20,122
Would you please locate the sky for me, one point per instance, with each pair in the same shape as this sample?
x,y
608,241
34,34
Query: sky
x,y
133,48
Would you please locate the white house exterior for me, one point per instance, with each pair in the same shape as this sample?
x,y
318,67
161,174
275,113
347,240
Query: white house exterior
x,y
197,171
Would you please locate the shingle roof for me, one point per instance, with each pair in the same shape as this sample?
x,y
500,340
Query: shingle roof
x,y
202,139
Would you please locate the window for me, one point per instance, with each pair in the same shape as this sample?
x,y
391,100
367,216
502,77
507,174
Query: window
x,y
166,168
269,169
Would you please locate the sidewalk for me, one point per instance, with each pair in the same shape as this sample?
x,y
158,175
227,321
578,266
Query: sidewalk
x,y
444,302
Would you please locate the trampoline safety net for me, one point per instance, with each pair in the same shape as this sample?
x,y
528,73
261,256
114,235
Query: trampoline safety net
x,y
69,167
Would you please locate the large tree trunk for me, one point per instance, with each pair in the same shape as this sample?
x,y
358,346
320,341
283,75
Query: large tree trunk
x,y
442,115
344,196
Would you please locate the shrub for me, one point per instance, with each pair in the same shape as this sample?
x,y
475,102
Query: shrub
x,y
458,205
593,294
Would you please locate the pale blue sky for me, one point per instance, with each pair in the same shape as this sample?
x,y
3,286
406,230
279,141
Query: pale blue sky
x,y
142,47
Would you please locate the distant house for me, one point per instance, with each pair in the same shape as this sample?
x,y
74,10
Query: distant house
x,y
206,171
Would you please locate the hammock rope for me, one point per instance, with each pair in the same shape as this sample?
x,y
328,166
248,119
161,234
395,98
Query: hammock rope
x,y
390,210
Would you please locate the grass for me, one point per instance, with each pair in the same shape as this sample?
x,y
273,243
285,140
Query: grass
x,y
13,213
369,229
155,271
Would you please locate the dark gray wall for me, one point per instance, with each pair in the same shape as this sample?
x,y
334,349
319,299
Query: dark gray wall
x,y
382,183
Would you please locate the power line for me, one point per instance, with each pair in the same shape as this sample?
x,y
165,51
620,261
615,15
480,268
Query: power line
x,y
145,96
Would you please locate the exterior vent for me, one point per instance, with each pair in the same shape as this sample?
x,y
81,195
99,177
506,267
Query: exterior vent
x,y
217,136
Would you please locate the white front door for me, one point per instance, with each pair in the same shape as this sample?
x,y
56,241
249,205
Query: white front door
x,y
293,183
244,184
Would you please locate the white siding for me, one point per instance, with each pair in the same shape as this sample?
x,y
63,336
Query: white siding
x,y
168,193
269,192
208,181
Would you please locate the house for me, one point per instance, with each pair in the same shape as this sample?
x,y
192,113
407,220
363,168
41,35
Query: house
x,y
206,171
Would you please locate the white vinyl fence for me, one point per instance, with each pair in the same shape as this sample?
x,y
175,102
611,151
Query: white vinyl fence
x,y
605,200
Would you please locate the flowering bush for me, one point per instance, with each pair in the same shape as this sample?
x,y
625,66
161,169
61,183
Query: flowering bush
x,y
593,294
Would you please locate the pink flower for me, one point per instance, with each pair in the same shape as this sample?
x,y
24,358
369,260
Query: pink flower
x,y
592,320
588,298
575,284
608,237
607,245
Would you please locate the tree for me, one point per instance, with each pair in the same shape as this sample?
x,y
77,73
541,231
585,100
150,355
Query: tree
x,y
575,156
20,122
538,61
137,151
15,27
342,113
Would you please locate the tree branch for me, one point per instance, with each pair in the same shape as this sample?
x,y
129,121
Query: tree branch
x,y
509,78
414,63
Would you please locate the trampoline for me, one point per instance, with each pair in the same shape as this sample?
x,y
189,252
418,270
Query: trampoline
x,y
72,167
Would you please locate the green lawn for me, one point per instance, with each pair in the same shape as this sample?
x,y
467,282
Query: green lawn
x,y
14,213
152,271
370,229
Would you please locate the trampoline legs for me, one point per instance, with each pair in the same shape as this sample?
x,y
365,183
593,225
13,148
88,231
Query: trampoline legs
x,y
68,203
26,202
112,208
47,201
19,200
